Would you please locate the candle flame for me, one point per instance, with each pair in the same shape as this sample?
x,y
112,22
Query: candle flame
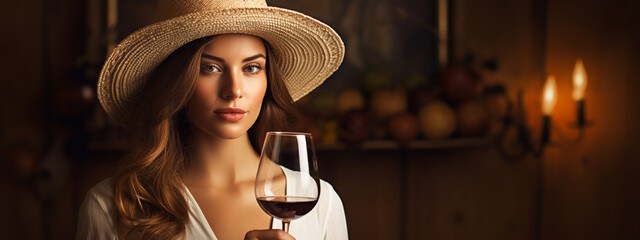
x,y
579,80
549,96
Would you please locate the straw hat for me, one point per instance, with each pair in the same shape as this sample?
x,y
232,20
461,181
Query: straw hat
x,y
306,50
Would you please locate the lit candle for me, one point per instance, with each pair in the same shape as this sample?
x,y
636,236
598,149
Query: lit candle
x,y
579,86
549,98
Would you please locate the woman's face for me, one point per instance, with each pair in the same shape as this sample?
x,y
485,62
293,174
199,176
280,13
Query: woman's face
x,y
230,87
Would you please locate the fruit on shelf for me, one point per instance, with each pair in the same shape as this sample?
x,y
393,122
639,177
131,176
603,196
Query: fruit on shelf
x,y
355,126
460,83
385,103
403,127
437,120
473,119
349,99
423,94
330,132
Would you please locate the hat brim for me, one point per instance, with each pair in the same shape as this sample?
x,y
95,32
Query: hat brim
x,y
306,50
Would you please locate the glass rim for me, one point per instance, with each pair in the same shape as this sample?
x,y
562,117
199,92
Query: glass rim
x,y
285,133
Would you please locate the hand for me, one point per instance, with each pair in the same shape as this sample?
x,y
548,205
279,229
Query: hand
x,y
269,234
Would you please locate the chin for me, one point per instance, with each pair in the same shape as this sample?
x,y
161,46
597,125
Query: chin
x,y
225,130
231,136
229,133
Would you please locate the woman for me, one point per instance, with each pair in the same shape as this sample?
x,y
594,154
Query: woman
x,y
198,90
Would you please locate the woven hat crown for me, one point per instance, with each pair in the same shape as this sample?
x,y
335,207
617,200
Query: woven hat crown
x,y
168,9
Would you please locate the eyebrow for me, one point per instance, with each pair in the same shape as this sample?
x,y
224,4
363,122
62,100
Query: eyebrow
x,y
204,55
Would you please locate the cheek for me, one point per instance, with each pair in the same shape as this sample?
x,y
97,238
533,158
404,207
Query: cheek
x,y
262,89
200,100
259,90
203,92
254,88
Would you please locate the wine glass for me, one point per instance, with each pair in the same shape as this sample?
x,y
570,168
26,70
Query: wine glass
x,y
287,184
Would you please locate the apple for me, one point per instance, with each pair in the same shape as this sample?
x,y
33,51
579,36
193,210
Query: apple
x,y
403,127
355,126
460,83
388,102
437,120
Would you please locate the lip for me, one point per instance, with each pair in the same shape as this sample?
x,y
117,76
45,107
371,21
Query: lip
x,y
230,114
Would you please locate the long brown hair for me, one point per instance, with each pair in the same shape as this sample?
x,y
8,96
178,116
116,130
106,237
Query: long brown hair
x,y
148,190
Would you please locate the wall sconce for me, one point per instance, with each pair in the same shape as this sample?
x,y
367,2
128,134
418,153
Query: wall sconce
x,y
515,141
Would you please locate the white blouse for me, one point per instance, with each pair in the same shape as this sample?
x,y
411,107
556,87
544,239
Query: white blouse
x,y
326,221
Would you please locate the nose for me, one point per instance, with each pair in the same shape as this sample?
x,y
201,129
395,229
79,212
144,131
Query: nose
x,y
232,85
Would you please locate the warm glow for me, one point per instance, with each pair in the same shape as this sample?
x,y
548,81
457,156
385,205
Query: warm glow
x,y
579,80
549,96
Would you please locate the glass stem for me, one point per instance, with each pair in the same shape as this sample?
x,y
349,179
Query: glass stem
x,y
285,225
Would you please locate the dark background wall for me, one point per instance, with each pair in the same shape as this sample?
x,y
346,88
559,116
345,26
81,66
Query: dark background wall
x,y
589,190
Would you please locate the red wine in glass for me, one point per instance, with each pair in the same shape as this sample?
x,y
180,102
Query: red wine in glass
x,y
287,207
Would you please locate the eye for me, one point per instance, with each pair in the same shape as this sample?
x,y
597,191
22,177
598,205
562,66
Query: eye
x,y
253,68
209,68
